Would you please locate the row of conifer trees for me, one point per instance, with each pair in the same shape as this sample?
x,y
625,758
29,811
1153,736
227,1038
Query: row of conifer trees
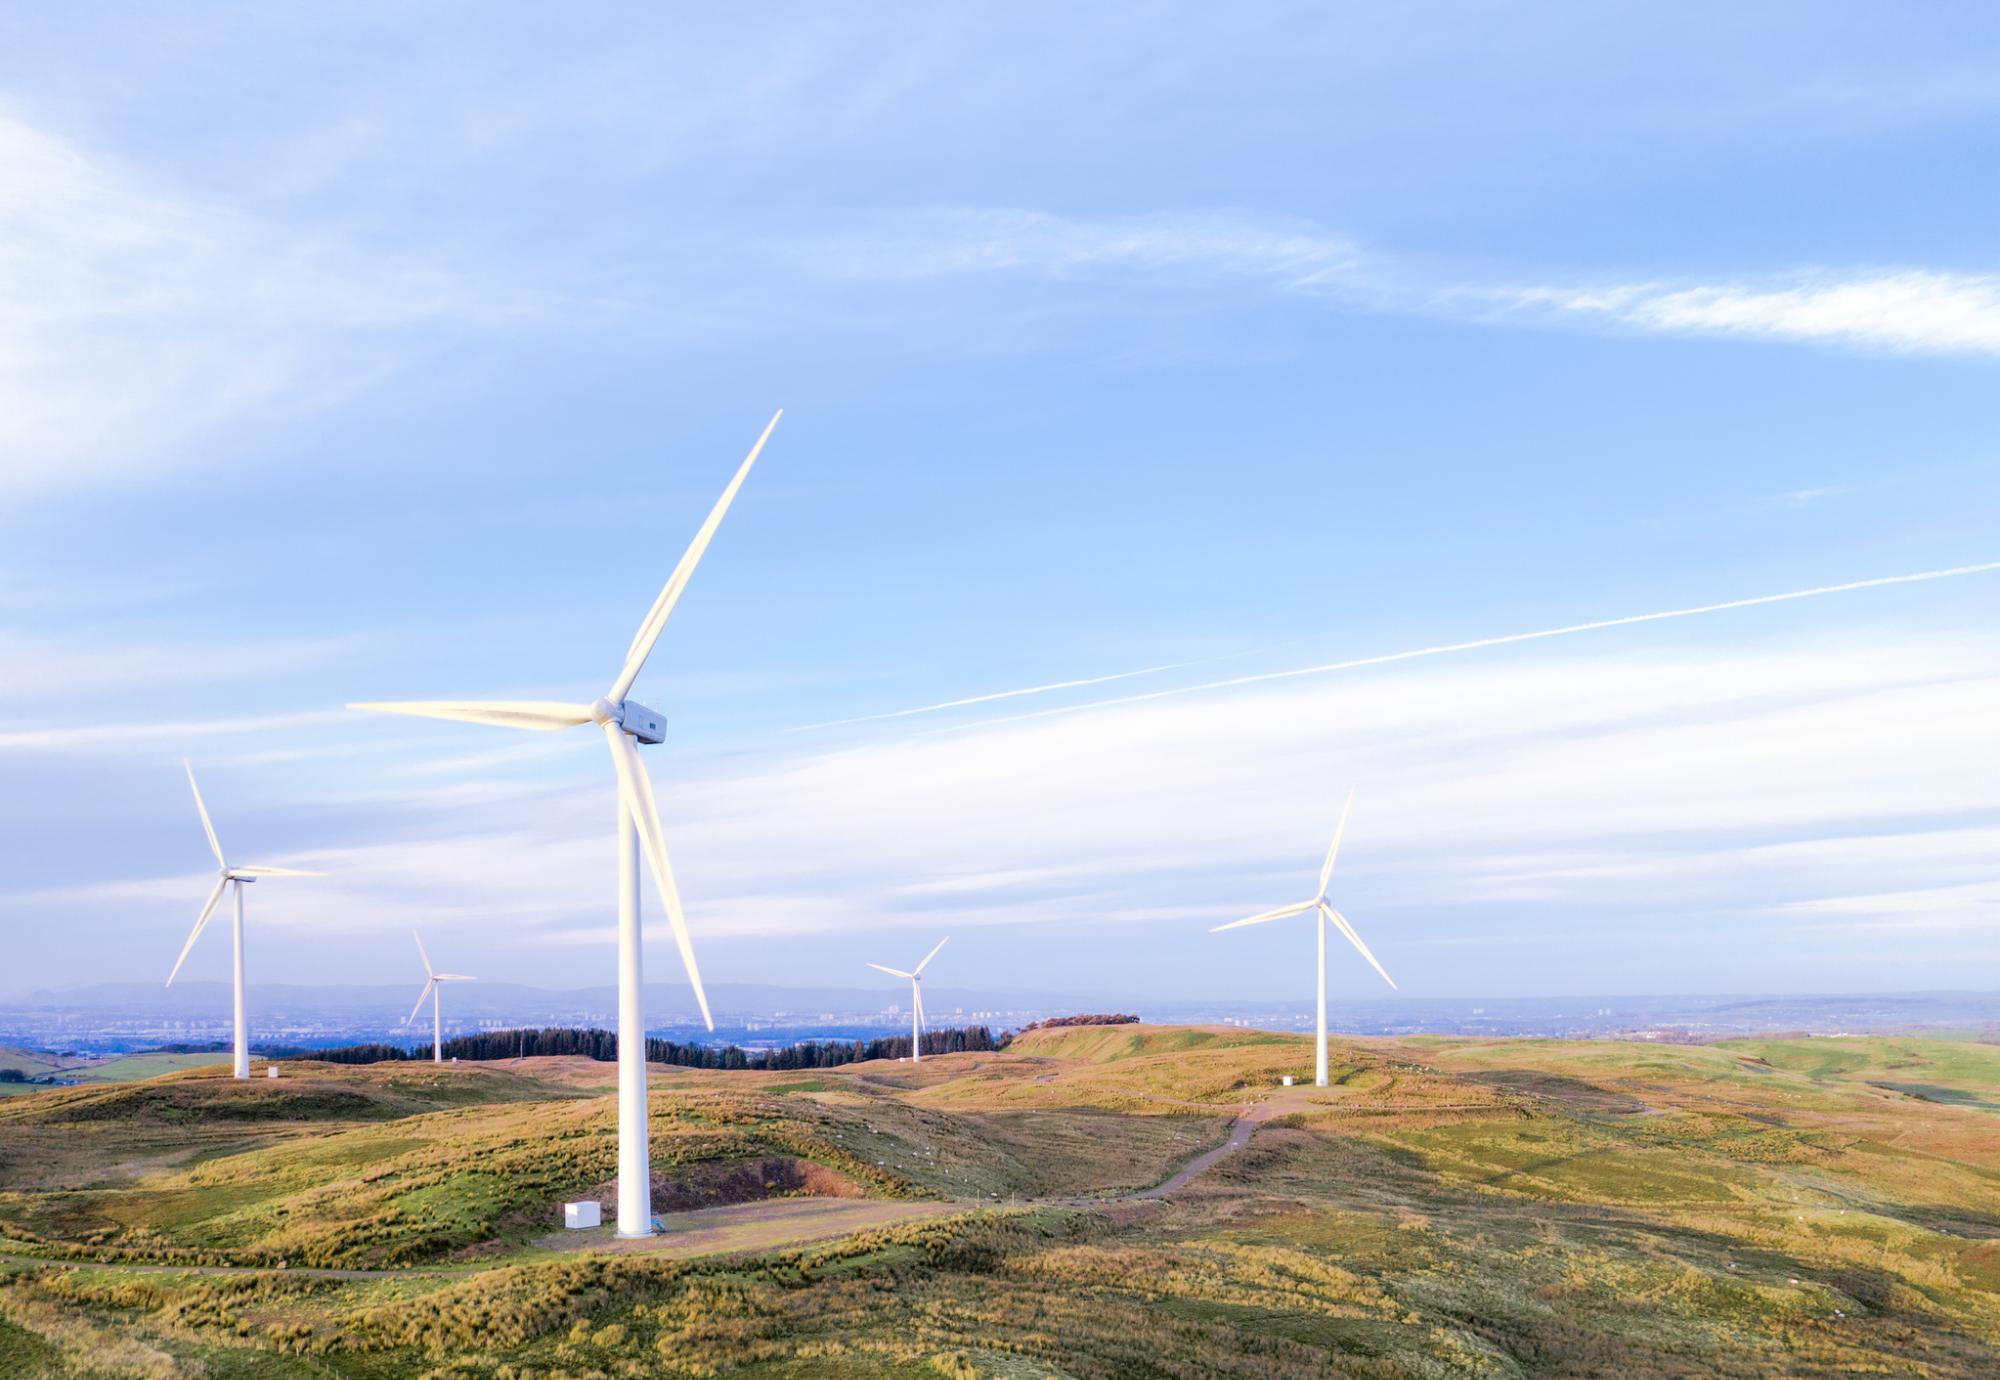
x,y
603,1045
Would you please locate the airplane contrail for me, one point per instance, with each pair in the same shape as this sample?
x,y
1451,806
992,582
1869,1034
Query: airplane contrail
x,y
1442,650
996,695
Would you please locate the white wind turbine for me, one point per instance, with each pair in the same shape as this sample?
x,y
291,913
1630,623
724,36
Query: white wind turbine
x,y
626,724
236,877
433,981
916,978
1324,913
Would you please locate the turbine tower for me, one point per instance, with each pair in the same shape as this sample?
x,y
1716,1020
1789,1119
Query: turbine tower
x,y
1322,914
626,724
916,997
236,877
433,981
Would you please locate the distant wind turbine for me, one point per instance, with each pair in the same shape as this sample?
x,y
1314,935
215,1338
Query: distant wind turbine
x,y
626,724
433,982
230,877
916,978
1323,913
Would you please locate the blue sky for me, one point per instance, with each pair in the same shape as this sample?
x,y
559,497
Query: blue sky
x,y
396,353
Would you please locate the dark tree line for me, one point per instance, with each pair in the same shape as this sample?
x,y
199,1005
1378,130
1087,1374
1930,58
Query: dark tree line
x,y
602,1045
346,1054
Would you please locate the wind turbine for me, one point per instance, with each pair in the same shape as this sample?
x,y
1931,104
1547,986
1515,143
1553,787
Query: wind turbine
x,y
235,877
1324,913
626,724
916,997
432,983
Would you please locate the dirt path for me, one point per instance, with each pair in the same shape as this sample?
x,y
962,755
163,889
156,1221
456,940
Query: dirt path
x,y
1248,1119
755,1228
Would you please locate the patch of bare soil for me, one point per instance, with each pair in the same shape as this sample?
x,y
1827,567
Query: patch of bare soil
x,y
757,1228
747,1181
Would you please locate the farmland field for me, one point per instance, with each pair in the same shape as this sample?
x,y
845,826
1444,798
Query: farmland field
x,y
1449,1207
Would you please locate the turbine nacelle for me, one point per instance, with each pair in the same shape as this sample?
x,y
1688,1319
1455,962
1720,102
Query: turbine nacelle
x,y
647,725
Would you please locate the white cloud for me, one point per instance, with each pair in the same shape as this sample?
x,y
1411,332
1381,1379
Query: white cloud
x,y
1966,906
1907,311
136,318
1804,498
948,242
1740,794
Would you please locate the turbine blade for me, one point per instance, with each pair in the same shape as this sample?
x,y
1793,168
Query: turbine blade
x,y
1326,872
933,953
422,954
663,607
637,789
206,827
1279,914
540,716
454,977
1355,940
923,1021
272,872
428,984
214,897
892,972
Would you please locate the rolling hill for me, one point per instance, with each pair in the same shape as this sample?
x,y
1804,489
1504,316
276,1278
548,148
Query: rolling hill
x,y
1091,1202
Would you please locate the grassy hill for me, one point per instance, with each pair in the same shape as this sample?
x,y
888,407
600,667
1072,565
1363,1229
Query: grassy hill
x,y
34,1063
37,1063
1451,1207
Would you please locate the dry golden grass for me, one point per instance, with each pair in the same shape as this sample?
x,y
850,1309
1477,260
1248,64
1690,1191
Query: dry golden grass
x,y
1449,1208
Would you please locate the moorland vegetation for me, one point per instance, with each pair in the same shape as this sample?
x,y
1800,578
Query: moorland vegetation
x,y
1487,1208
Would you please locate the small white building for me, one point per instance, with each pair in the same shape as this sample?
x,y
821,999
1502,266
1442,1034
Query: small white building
x,y
579,1215
271,1072
1288,1080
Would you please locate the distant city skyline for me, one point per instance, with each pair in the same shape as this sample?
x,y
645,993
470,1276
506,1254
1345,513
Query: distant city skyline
x,y
331,367
125,1016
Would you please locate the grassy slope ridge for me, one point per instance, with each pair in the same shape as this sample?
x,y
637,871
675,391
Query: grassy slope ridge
x,y
1099,1044
33,1062
1450,1207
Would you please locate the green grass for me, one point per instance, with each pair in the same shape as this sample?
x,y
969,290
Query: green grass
x,y
23,1354
35,1062
136,1066
1107,1043
1969,1068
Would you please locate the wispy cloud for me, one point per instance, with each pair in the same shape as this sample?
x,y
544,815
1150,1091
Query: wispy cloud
x,y
175,735
1698,787
1805,498
1901,310
68,668
137,317
1906,311
958,241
